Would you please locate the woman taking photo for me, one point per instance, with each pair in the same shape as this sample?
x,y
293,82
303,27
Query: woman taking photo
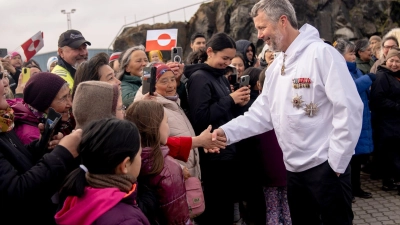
x,y
30,176
178,122
212,102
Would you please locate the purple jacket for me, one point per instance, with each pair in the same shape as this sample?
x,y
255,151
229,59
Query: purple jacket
x,y
271,158
102,206
26,123
169,186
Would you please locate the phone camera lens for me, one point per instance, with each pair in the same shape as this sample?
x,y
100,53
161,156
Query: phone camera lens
x,y
175,50
177,58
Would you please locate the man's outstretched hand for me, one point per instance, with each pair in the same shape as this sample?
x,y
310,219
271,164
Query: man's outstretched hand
x,y
217,135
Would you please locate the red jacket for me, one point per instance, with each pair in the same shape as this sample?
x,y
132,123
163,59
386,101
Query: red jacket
x,y
179,147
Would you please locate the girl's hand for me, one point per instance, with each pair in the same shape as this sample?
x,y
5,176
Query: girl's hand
x,y
185,172
209,144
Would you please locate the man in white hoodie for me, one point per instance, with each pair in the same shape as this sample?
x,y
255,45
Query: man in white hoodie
x,y
312,103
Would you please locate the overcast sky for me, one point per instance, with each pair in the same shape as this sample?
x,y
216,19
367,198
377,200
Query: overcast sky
x,y
98,20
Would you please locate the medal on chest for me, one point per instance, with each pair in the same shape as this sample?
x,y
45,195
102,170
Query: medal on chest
x,y
297,101
310,109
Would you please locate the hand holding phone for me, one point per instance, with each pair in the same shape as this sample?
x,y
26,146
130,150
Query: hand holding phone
x,y
26,74
149,80
241,96
50,127
176,55
3,52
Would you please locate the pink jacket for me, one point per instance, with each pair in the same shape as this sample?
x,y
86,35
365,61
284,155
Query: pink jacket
x,y
26,123
169,186
102,206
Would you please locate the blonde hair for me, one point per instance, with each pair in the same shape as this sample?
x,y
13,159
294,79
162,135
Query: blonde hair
x,y
395,32
159,55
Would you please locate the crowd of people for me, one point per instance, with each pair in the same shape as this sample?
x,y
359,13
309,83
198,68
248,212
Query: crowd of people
x,y
288,148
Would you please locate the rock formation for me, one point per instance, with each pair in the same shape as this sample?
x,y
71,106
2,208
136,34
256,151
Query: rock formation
x,y
353,19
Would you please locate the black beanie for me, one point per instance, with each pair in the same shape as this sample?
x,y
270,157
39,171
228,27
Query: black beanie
x,y
41,89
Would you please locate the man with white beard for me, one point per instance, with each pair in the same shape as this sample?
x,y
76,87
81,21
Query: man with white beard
x,y
72,51
312,103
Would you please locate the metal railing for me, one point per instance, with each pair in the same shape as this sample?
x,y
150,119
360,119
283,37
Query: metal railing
x,y
153,17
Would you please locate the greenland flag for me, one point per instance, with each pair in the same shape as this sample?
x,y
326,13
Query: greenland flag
x,y
161,39
30,47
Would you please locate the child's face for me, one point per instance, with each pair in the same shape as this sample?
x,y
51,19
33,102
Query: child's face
x,y
154,57
164,130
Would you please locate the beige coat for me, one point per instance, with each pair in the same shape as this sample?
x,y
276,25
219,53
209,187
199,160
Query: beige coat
x,y
378,62
179,126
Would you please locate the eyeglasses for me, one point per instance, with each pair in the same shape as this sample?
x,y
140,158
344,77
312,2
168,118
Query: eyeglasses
x,y
390,46
65,99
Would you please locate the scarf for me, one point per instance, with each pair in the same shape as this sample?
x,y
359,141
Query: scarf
x,y
172,98
6,120
39,115
122,182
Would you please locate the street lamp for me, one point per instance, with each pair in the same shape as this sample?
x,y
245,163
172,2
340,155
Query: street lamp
x,y
68,17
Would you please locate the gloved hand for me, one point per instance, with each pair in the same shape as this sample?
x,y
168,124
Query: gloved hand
x,y
372,76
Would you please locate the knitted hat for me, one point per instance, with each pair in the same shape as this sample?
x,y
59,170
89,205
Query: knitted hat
x,y
41,89
13,54
161,69
114,56
94,100
50,61
393,52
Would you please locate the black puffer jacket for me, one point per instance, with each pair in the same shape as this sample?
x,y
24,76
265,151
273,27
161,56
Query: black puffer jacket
x,y
210,103
385,103
28,180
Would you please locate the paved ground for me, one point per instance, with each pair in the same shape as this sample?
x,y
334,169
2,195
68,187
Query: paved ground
x,y
383,208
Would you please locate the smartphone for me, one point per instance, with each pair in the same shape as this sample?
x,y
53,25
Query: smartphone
x,y
149,80
26,74
232,79
244,81
153,80
50,126
176,54
3,52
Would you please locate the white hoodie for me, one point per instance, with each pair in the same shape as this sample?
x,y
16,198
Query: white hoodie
x,y
306,142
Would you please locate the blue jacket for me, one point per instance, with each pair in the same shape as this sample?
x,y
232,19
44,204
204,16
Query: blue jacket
x,y
363,84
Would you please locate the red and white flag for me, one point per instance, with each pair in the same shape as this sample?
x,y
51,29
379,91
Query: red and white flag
x,y
161,39
30,47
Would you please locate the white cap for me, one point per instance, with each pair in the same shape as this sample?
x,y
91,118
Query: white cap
x,y
50,61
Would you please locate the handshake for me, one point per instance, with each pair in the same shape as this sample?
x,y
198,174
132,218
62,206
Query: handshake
x,y
211,142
